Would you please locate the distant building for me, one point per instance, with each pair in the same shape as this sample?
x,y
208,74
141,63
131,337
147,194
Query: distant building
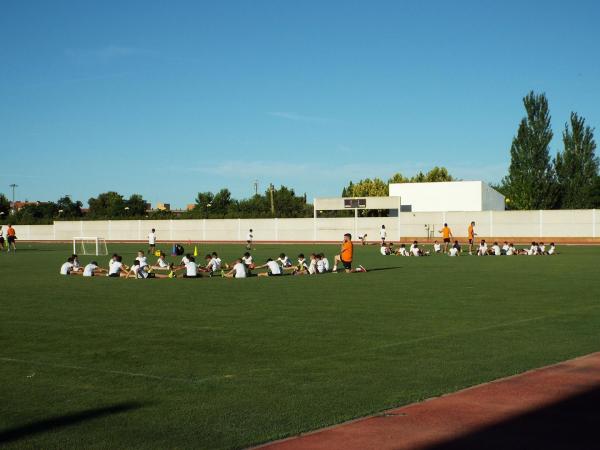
x,y
190,206
19,205
447,196
163,206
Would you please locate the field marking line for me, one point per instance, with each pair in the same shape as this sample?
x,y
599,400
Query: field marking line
x,y
444,335
295,362
113,372
87,325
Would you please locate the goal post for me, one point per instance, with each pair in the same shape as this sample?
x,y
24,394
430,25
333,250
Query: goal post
x,y
89,245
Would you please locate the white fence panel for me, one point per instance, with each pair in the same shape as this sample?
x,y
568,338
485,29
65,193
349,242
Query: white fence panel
x,y
489,224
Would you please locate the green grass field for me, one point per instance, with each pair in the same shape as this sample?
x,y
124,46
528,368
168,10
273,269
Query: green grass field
x,y
220,363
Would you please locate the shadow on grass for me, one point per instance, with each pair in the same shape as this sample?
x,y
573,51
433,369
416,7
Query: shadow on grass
x,y
377,269
41,426
565,425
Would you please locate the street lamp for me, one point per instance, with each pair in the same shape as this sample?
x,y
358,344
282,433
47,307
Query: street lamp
x,y
13,187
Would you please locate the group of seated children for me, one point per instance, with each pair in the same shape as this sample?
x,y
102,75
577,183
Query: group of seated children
x,y
240,268
243,267
413,250
508,249
72,267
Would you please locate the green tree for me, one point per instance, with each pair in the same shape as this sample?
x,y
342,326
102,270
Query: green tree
x,y
436,174
531,181
67,208
366,188
256,206
37,213
137,205
107,205
398,178
221,203
4,206
288,204
577,166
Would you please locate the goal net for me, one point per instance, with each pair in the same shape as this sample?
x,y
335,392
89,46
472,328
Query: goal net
x,y
89,245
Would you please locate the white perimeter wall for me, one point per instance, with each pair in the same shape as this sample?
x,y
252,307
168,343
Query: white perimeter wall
x,y
448,196
563,223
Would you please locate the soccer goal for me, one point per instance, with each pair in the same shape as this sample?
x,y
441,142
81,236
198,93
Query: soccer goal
x,y
89,245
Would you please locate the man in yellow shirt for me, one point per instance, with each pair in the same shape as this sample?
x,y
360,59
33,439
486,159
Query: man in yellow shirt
x,y
471,233
447,235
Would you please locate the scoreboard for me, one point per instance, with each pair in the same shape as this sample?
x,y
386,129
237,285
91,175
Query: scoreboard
x,y
353,203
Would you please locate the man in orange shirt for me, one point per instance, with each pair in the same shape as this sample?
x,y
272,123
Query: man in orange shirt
x,y
346,255
446,234
471,233
11,237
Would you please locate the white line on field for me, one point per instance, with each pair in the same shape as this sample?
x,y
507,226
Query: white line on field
x,y
115,372
299,361
444,335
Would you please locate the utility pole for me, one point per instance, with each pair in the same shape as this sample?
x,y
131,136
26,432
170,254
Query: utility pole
x,y
13,187
271,188
255,187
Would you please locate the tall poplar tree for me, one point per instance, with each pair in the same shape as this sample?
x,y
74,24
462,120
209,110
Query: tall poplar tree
x,y
577,166
531,180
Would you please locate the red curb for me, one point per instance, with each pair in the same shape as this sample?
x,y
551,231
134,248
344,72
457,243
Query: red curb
x,y
453,416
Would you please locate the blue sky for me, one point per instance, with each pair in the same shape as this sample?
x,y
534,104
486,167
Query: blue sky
x,y
167,99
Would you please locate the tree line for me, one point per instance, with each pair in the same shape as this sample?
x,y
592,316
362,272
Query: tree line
x,y
274,202
535,180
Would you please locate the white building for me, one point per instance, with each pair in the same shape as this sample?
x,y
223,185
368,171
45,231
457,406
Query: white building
x,y
448,196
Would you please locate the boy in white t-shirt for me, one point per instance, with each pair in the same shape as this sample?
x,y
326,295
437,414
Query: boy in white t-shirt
x,y
142,258
483,248
312,267
383,234
249,238
152,242
533,250
161,263
248,260
92,269
273,269
213,264
402,251
185,259
284,261
384,249
67,267
302,267
552,249
76,264
415,250
218,262
437,248
320,263
238,270
496,250
190,268
117,268
324,262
